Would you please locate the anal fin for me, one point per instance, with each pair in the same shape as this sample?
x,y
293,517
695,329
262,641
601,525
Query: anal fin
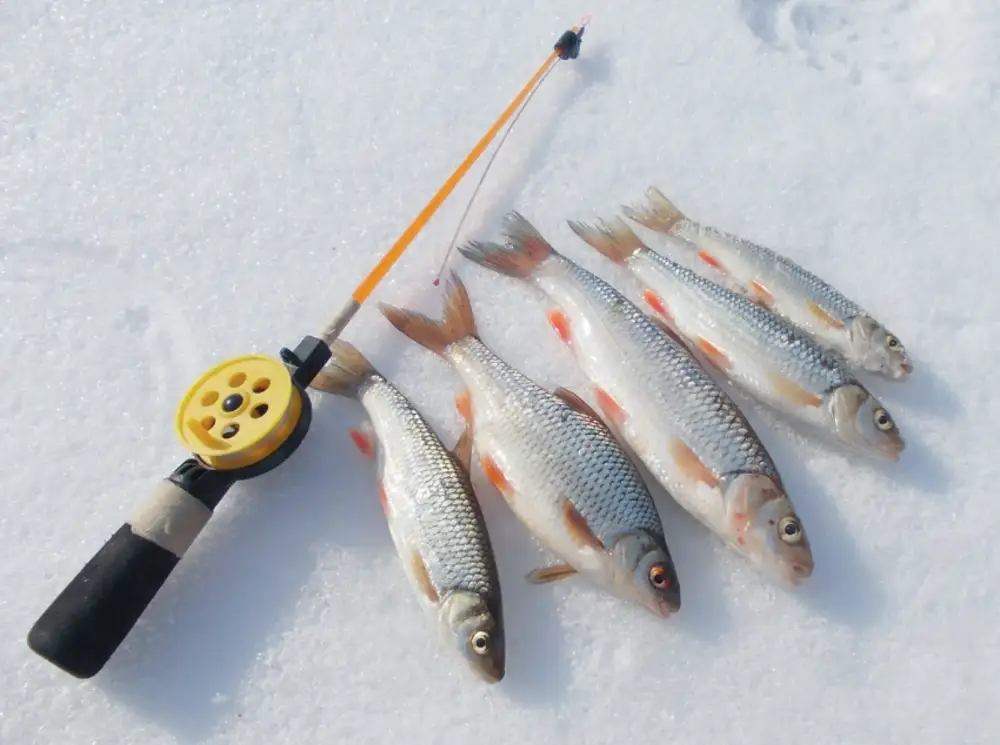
x,y
576,402
463,448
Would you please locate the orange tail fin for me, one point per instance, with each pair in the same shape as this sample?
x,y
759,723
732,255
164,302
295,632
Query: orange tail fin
x,y
616,241
524,249
347,370
458,322
660,214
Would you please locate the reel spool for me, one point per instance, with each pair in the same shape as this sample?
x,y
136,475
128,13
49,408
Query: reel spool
x,y
242,418
240,413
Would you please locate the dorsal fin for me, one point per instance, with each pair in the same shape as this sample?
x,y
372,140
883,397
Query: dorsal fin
x,y
582,406
463,448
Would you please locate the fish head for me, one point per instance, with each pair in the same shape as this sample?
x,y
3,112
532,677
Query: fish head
x,y
767,530
643,570
863,421
878,350
474,626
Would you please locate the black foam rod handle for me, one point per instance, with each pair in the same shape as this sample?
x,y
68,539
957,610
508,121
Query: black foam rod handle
x,y
91,617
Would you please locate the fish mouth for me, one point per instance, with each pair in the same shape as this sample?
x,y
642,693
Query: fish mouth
x,y
665,608
891,447
489,671
795,573
669,603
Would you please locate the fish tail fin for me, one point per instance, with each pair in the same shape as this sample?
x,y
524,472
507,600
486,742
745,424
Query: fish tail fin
x,y
524,249
458,322
348,369
615,240
659,213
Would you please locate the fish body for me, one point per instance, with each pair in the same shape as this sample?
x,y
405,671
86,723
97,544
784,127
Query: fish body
x,y
759,351
434,519
780,284
559,468
660,400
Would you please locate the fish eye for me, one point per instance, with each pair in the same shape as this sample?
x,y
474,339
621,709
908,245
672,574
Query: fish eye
x,y
481,642
790,529
658,576
882,420
891,341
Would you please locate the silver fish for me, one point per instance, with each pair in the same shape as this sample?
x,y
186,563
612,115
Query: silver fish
x,y
663,404
555,462
780,284
759,351
434,518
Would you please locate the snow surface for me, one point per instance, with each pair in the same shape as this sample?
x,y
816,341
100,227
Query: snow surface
x,y
184,181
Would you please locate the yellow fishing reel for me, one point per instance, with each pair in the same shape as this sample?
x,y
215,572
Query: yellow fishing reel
x,y
239,412
240,419
246,414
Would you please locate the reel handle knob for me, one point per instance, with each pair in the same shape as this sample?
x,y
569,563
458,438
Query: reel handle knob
x,y
91,617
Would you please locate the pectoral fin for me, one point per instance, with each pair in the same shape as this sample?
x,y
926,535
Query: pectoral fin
x,y
554,573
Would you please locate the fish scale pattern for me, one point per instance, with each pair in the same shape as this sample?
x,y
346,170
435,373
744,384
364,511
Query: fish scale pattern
x,y
575,457
441,512
797,354
813,288
707,419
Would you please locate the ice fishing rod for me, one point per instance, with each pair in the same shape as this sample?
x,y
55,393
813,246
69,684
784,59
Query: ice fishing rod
x,y
240,419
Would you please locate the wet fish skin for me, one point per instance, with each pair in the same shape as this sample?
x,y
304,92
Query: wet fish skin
x,y
785,287
434,518
660,401
758,350
558,467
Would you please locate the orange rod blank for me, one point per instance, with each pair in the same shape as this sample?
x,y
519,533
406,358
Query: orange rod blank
x,y
369,283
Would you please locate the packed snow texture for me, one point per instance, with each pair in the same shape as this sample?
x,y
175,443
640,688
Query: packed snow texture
x,y
183,182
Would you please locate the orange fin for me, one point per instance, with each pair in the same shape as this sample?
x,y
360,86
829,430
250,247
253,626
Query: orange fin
x,y
714,355
347,369
576,402
364,440
458,322
552,573
666,325
463,448
792,392
582,406
383,499
823,316
611,408
559,322
616,241
423,577
578,528
710,260
463,403
761,295
656,303
495,476
691,464
524,249
660,215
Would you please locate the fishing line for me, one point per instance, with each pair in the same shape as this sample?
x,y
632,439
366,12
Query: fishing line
x,y
486,170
